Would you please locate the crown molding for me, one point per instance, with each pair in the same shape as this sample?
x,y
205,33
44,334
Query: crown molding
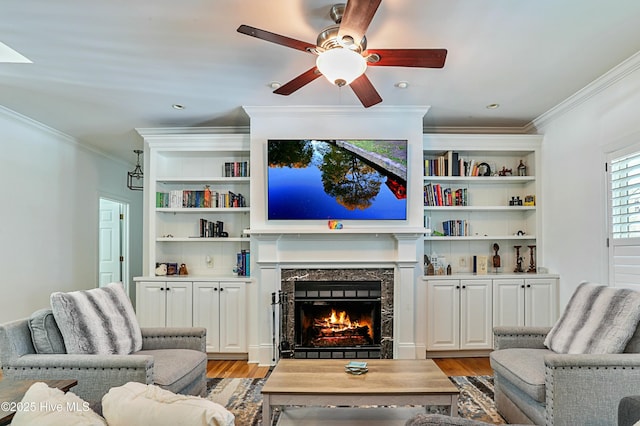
x,y
477,130
611,77
173,131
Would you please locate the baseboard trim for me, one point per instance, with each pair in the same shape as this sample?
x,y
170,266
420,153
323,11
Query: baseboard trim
x,y
220,356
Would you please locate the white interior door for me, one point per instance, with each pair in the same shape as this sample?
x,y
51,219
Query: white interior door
x,y
110,242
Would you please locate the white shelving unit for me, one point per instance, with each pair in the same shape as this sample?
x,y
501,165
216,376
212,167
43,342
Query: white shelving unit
x,y
462,308
211,295
488,214
191,163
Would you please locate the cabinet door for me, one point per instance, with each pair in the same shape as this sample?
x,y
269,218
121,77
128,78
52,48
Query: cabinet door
x,y
443,314
475,314
151,303
508,302
541,302
206,313
233,321
179,304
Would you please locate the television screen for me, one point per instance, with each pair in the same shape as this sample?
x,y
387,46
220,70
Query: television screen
x,y
309,179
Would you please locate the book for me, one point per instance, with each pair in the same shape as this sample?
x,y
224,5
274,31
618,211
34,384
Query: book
x,y
455,164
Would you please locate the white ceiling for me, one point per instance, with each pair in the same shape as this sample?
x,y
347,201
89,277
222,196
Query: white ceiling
x,y
103,68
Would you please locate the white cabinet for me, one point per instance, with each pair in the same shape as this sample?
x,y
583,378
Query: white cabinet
x,y
525,301
220,307
459,314
195,186
164,304
484,214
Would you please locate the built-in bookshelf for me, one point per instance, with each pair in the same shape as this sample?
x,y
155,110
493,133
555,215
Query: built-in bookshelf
x,y
481,192
197,194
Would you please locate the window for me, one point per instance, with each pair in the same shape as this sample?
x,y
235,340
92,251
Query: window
x,y
625,197
624,218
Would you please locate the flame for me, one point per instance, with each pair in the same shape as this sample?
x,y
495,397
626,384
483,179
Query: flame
x,y
339,321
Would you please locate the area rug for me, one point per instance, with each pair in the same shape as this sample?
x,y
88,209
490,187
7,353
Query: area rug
x,y
243,398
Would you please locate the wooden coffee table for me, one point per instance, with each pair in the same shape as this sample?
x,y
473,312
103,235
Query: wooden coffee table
x,y
306,382
12,391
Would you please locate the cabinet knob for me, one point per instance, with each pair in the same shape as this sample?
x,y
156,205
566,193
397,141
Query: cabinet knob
x,y
464,286
457,287
528,285
522,286
221,289
168,288
215,289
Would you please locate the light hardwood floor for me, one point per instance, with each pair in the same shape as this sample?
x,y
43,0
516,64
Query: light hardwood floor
x,y
450,367
242,369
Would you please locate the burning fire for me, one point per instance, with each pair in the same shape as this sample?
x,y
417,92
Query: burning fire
x,y
339,321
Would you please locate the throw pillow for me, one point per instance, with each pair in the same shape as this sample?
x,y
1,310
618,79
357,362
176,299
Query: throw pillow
x,y
45,334
139,404
597,320
99,321
45,406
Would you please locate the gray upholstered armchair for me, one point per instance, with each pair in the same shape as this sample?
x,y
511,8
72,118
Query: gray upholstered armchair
x,y
576,372
172,358
535,385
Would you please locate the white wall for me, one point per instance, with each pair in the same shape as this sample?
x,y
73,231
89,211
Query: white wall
x,y
50,187
574,181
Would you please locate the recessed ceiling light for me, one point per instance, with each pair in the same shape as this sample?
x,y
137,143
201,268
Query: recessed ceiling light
x,y
402,85
493,106
275,85
177,106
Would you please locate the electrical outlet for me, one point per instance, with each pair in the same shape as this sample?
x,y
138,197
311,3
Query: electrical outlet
x,y
462,262
209,261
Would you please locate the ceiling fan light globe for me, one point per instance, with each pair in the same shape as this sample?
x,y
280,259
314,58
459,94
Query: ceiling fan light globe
x,y
341,66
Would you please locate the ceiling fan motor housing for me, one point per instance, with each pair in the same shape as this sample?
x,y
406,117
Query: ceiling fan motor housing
x,y
328,39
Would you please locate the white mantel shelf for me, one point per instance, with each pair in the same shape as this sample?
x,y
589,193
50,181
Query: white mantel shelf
x,y
293,231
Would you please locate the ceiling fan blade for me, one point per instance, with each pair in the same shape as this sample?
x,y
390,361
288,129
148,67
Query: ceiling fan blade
x,y
356,18
364,90
421,58
276,38
298,82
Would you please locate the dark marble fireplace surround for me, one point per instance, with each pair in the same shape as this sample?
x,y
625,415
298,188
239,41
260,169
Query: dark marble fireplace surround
x,y
384,275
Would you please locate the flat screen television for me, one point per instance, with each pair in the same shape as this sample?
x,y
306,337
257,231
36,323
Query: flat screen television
x,y
311,179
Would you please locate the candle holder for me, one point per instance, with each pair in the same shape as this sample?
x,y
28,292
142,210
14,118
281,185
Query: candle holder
x,y
519,260
532,261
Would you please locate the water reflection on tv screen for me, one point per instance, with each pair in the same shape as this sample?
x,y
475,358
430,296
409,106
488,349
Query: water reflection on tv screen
x,y
337,179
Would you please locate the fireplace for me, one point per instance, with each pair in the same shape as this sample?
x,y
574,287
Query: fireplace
x,y
337,319
329,313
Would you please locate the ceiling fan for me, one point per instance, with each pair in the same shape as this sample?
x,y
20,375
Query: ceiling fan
x,y
342,52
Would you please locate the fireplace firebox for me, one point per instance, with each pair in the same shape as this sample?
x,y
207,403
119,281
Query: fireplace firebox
x,y
337,319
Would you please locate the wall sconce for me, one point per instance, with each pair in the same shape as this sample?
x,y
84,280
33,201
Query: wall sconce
x,y
135,178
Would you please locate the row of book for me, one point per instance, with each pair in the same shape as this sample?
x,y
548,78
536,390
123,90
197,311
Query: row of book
x,y
455,228
236,169
199,199
451,163
243,263
435,195
212,229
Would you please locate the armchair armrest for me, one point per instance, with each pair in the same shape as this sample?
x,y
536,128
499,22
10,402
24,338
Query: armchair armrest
x,y
96,374
602,380
519,337
194,338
